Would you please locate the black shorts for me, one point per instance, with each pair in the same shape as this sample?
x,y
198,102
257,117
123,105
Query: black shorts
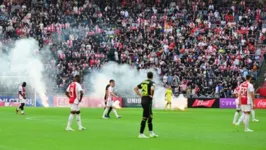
x,y
146,103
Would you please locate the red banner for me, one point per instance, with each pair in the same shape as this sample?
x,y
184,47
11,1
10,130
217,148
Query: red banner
x,y
203,103
62,101
260,103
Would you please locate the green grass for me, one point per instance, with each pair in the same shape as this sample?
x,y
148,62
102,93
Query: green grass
x,y
193,129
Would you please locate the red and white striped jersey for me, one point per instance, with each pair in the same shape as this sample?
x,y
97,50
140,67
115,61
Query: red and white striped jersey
x,y
74,90
23,92
244,93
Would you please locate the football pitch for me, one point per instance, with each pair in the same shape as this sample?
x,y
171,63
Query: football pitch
x,y
193,129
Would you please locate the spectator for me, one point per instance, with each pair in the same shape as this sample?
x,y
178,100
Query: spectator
x,y
196,42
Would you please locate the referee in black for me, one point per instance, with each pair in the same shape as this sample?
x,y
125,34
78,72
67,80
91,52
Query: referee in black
x,y
147,90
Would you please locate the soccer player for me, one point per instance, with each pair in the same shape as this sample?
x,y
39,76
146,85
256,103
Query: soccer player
x,y
168,97
246,98
242,115
75,93
253,111
238,109
105,99
109,104
22,98
147,90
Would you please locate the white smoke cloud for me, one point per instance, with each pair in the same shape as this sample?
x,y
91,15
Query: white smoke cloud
x,y
24,64
126,78
21,62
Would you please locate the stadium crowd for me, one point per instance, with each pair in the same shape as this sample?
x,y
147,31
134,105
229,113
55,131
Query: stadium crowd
x,y
200,47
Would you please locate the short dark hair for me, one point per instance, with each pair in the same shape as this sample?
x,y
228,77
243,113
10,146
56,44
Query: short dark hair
x,y
77,78
150,75
111,81
248,77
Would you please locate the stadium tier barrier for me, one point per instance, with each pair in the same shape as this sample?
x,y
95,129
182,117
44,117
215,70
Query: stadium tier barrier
x,y
129,102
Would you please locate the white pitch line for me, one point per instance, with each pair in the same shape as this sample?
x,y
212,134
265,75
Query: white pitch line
x,y
30,118
42,119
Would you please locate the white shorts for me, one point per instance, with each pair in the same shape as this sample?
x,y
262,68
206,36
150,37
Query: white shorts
x,y
22,101
246,108
74,107
237,104
109,103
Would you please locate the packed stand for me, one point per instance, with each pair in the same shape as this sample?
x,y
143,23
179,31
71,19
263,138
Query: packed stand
x,y
201,48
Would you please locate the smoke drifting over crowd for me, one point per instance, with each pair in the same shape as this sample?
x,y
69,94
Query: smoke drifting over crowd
x,y
21,62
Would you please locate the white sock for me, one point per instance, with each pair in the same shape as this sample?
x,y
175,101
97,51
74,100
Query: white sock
x,y
22,111
253,114
241,118
105,111
70,119
151,132
246,119
79,120
235,117
114,110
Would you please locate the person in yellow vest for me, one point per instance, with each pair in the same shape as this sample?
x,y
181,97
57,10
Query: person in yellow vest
x,y
168,97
